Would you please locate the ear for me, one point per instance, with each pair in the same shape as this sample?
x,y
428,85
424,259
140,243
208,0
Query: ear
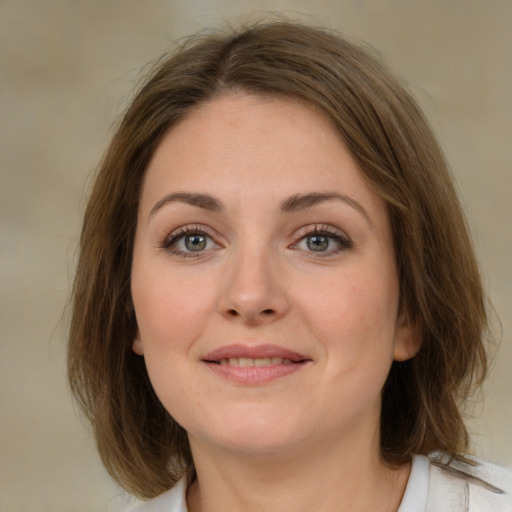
x,y
137,346
407,338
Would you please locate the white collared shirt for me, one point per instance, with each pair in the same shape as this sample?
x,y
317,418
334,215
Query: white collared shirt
x,y
430,488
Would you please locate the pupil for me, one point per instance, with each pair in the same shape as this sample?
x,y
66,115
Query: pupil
x,y
318,243
195,242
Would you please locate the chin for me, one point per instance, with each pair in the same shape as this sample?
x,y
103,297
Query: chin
x,y
258,437
261,447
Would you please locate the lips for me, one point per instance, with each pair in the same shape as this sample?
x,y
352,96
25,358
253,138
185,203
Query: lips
x,y
254,364
247,362
253,352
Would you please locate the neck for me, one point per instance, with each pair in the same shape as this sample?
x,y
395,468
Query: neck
x,y
324,478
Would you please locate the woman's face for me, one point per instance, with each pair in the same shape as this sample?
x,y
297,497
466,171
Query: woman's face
x,y
264,280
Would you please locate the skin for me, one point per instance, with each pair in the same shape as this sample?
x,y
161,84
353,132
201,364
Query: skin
x,y
257,279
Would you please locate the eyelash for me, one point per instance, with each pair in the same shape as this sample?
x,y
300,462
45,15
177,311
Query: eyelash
x,y
343,242
181,233
330,233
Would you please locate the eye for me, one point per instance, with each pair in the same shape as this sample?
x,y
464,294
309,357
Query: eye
x,y
189,241
318,242
194,243
323,240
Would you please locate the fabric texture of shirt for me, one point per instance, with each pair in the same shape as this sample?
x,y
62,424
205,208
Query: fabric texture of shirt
x,y
432,487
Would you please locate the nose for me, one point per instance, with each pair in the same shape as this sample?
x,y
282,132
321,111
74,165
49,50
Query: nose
x,y
254,290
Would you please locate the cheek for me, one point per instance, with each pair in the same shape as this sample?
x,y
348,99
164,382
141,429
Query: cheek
x,y
171,310
354,317
170,318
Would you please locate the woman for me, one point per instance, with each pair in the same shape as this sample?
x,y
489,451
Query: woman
x,y
277,304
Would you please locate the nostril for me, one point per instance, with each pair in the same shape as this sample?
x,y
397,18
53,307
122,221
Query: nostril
x,y
232,312
268,311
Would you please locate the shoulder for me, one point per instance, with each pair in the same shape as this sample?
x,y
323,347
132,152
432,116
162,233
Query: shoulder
x,y
173,500
482,487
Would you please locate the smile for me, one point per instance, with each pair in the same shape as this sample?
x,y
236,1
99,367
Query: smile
x,y
248,361
254,365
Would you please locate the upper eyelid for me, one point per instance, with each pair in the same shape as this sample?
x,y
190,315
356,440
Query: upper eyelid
x,y
176,234
191,229
321,228
327,230
171,243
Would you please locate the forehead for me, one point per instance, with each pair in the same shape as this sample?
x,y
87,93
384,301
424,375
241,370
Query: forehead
x,y
241,145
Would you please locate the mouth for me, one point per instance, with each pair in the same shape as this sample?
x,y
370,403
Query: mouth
x,y
254,364
248,362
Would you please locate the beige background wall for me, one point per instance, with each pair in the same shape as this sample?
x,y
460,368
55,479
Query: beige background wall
x,y
67,68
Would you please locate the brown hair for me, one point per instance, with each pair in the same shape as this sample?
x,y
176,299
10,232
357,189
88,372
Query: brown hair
x,y
142,447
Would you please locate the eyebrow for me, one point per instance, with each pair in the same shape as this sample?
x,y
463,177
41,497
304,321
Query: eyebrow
x,y
205,201
294,203
299,202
